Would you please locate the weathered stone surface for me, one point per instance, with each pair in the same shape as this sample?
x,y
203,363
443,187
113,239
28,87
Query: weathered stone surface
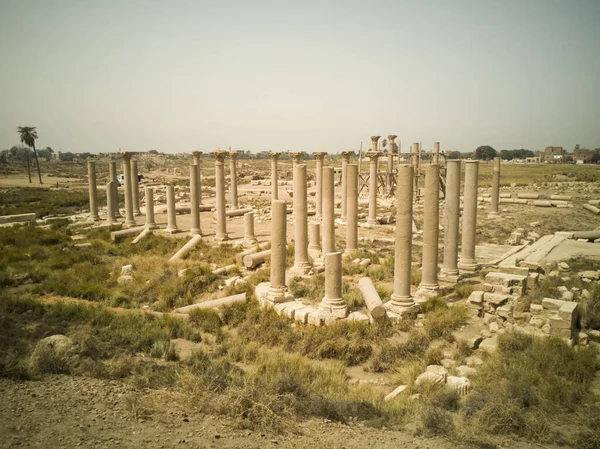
x,y
552,304
496,299
465,371
489,344
461,385
435,374
471,337
476,297
506,279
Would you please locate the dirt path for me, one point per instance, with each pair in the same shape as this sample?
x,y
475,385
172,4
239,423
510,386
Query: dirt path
x,y
69,412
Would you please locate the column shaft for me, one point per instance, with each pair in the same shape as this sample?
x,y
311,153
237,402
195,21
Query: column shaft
x,y
345,161
194,203
429,270
233,174
469,224
373,190
93,193
171,210
278,251
301,263
112,173
149,197
436,153
319,176
328,211
496,185
249,237
221,234
333,305
135,187
451,220
352,211
110,202
129,220
274,177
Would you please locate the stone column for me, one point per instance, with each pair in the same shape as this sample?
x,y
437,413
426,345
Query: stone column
x,y
221,234
373,188
135,187
495,186
194,204
429,270
249,237
451,222
233,173
110,203
274,176
319,157
129,220
467,261
345,160
390,164
93,192
328,227
436,153
301,263
333,305
401,301
314,239
196,161
171,210
374,140
278,291
112,173
295,160
149,195
352,205
415,163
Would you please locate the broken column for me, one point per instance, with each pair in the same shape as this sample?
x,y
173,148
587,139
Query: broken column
x,y
112,173
333,305
129,220
278,291
93,192
171,206
390,163
436,153
194,204
429,270
449,272
401,301
319,157
352,205
373,155
196,162
135,187
110,203
149,196
345,161
467,260
301,263
233,155
495,186
274,178
314,239
221,234
249,237
328,228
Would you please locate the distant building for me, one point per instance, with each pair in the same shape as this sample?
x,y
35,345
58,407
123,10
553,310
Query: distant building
x,y
533,160
582,154
553,154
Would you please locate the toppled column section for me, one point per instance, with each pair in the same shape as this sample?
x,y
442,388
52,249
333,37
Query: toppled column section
x,y
371,297
185,249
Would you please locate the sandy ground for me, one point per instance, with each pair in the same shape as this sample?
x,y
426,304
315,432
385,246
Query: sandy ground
x,y
71,412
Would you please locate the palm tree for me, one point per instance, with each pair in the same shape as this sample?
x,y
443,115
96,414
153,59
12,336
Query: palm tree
x,y
28,137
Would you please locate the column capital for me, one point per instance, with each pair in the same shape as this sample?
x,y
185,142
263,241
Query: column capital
x,y
126,155
346,155
296,156
373,155
391,138
319,155
273,155
197,153
234,154
219,155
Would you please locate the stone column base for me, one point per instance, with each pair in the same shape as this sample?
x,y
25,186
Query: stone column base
x,y
172,230
151,226
137,213
333,308
449,276
268,295
403,307
130,224
427,290
195,231
300,269
468,266
221,237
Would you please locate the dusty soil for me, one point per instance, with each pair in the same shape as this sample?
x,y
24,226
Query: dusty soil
x,y
65,412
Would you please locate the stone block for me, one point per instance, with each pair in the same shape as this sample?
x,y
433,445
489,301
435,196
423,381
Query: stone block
x,y
536,309
315,319
556,322
589,274
567,296
569,312
496,299
476,297
465,371
504,311
552,304
506,279
537,322
489,344
522,271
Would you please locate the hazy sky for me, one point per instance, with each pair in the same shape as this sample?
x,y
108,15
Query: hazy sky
x,y
306,75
